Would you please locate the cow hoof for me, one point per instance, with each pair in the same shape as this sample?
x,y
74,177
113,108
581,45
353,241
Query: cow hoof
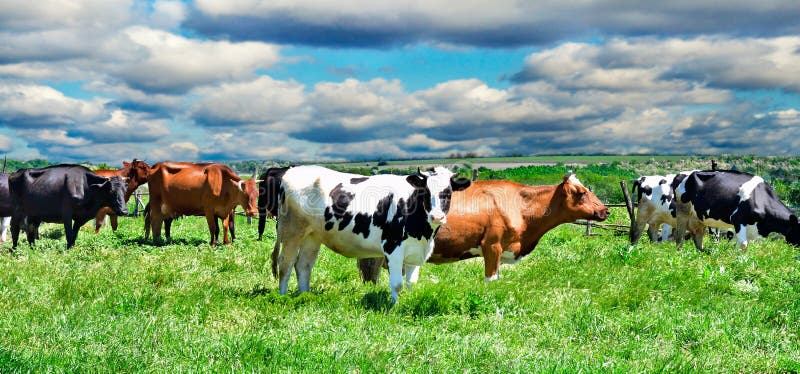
x,y
492,278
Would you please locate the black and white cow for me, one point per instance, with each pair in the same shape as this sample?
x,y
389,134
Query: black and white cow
x,y
656,206
387,216
6,208
61,194
731,199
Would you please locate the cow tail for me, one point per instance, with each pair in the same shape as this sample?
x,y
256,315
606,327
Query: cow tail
x,y
147,220
276,253
270,197
637,190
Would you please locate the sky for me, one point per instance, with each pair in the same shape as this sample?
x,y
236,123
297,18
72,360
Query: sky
x,y
302,80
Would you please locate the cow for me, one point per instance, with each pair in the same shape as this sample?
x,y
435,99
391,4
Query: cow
x,y
503,221
6,207
362,217
730,199
69,194
198,189
656,206
135,173
269,186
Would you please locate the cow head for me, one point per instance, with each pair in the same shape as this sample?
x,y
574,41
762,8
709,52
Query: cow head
x,y
248,195
138,172
581,202
112,194
793,232
434,190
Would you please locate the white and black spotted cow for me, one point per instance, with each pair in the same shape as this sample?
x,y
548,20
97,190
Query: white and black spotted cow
x,y
362,217
731,199
656,206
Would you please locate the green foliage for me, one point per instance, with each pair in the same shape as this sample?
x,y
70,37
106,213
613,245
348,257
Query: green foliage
x,y
603,179
115,303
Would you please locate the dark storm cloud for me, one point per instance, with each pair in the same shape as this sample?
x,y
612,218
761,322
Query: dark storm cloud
x,y
490,24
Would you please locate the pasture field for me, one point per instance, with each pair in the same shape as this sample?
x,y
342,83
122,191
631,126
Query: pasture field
x,y
114,303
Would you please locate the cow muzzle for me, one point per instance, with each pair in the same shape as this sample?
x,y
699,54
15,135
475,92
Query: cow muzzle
x,y
438,218
602,214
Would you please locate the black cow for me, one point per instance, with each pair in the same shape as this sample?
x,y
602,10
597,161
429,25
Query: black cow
x,y
730,199
69,194
269,186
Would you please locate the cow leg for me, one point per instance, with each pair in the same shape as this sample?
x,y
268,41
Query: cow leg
x,y
699,232
395,261
412,275
642,216
288,257
68,231
666,230
113,218
370,269
307,257
211,219
683,224
492,252
652,232
6,221
156,218
76,227
276,252
15,221
262,222
168,229
232,226
225,227
147,221
741,236
99,219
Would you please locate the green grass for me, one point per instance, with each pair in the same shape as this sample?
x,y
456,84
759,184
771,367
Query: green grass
x,y
116,304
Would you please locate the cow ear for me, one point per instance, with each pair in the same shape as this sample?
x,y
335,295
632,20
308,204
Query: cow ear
x,y
459,184
793,219
416,180
566,177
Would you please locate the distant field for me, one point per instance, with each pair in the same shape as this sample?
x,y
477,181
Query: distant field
x,y
115,303
520,160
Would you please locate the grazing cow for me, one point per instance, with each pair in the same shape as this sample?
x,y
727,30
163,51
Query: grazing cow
x,y
6,207
198,189
362,217
70,194
725,199
503,221
135,173
656,206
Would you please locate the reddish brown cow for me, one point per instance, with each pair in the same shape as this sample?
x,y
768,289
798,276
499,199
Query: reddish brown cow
x,y
503,221
136,173
199,189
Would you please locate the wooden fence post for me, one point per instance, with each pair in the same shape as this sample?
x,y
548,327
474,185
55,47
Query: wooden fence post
x,y
629,206
588,222
136,201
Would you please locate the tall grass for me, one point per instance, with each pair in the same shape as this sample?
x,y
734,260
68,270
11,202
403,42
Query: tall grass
x,y
114,303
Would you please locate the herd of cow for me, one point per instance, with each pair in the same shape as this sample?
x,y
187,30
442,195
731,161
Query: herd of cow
x,y
399,222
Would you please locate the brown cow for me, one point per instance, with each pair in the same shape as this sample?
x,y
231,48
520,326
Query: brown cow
x,y
136,173
503,221
198,189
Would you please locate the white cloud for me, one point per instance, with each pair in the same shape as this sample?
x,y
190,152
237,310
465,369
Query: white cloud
x,y
156,60
27,105
281,104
